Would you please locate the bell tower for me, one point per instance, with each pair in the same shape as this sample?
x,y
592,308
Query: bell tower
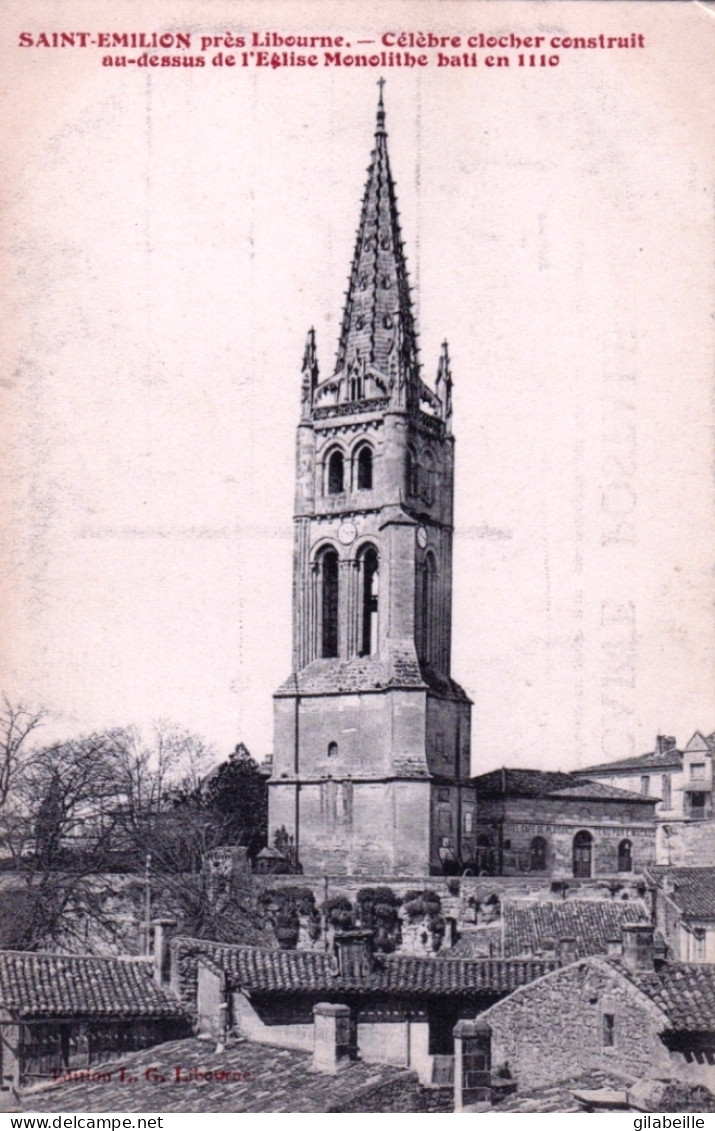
x,y
371,758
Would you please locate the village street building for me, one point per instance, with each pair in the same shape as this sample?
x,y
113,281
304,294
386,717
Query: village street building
x,y
398,1010
636,1015
65,1013
560,826
371,759
685,910
681,781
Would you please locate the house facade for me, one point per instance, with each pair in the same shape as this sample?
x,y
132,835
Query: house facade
x,y
371,758
681,782
684,907
63,1014
560,826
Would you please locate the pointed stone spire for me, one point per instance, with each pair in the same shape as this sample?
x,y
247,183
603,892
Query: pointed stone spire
x,y
378,330
309,371
443,384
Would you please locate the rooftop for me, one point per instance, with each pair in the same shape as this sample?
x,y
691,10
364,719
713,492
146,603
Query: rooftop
x,y
56,985
315,972
195,1076
685,993
531,927
691,889
541,783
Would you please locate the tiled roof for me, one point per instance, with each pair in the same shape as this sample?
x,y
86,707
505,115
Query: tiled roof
x,y
597,791
520,783
368,673
530,927
685,993
654,759
700,744
53,985
693,889
310,972
541,783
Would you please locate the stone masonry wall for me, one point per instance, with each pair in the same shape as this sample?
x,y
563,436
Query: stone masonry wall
x,y
553,1029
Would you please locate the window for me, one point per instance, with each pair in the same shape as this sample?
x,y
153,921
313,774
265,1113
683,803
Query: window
x,y
582,855
329,568
364,469
439,742
645,785
697,771
411,474
336,472
443,794
698,945
428,612
665,792
445,820
625,856
369,575
468,821
609,1030
537,855
332,749
427,478
697,806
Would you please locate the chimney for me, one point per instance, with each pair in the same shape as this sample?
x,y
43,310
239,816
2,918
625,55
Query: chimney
x,y
568,950
614,948
664,743
638,946
354,951
161,929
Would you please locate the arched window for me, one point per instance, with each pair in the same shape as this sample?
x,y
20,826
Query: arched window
x,y
625,856
329,570
537,854
427,478
364,468
336,473
428,612
369,580
332,749
411,474
356,387
582,855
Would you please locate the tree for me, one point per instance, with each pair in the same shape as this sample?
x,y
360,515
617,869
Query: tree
x,y
17,723
236,795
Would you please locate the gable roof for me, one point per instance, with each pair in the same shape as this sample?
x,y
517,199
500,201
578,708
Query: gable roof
x,y
700,744
57,985
654,759
541,783
310,972
530,926
692,890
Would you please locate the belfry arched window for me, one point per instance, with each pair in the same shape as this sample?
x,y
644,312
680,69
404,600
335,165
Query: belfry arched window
x,y
411,474
336,473
625,856
427,478
328,573
428,611
363,468
369,597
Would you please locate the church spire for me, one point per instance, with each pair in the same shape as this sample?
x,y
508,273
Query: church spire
x,y
309,375
378,330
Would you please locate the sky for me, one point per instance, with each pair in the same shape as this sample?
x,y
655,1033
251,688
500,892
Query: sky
x,y
171,235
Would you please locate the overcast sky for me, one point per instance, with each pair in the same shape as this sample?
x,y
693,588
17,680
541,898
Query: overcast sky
x,y
171,235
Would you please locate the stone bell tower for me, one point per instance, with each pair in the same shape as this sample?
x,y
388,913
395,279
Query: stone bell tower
x,y
371,757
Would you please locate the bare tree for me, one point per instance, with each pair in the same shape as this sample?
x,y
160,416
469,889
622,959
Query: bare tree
x,y
17,723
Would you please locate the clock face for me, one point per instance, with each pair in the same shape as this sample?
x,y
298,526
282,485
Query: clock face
x,y
347,533
421,537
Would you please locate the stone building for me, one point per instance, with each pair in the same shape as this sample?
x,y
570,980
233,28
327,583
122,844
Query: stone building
x,y
684,900
531,821
681,781
65,1013
632,1015
371,759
